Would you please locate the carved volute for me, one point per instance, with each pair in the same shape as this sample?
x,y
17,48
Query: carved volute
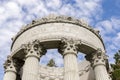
x,y
68,47
34,49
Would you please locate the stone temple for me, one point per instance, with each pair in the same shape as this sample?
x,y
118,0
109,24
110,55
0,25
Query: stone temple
x,y
69,36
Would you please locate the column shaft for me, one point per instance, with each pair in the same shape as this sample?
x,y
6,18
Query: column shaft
x,y
10,69
69,50
33,52
101,73
30,69
70,67
98,60
9,76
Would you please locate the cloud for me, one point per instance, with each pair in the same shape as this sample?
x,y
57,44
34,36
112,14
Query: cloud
x,y
105,27
116,23
15,13
53,4
89,8
117,40
110,31
8,12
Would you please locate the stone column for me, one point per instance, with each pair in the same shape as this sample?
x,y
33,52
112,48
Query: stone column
x,y
98,61
31,66
69,51
10,69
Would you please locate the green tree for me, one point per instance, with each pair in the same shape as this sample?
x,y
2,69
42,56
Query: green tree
x,y
117,57
116,74
116,66
51,63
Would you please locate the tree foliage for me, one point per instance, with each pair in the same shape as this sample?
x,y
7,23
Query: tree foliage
x,y
51,63
117,58
116,75
116,66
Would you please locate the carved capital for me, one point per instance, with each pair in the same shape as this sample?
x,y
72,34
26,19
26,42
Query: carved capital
x,y
97,58
34,49
68,47
9,65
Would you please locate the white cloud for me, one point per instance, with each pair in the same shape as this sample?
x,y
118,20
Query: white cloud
x,y
117,40
110,31
27,2
53,4
109,26
90,8
116,23
10,10
105,26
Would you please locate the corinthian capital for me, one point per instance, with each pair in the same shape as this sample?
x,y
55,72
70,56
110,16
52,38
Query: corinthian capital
x,y
9,65
68,47
97,58
34,49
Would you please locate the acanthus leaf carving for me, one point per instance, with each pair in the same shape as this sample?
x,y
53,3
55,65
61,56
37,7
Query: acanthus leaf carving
x,y
35,49
10,65
97,58
68,46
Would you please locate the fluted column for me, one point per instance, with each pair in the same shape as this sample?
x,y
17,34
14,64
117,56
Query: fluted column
x,y
31,66
10,70
69,51
98,60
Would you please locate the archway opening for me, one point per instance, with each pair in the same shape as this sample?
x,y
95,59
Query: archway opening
x,y
52,54
57,57
81,57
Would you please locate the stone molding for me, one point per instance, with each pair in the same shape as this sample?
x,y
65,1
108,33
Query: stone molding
x,y
34,49
10,65
68,47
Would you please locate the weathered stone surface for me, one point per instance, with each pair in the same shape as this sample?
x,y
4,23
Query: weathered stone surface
x,y
67,34
33,52
10,69
85,72
54,32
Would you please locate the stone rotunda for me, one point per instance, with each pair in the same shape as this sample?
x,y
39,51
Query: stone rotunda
x,y
69,36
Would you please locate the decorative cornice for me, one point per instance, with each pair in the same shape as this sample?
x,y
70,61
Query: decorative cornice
x,y
56,19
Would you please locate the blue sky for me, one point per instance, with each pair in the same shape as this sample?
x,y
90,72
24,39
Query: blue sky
x,y
101,14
